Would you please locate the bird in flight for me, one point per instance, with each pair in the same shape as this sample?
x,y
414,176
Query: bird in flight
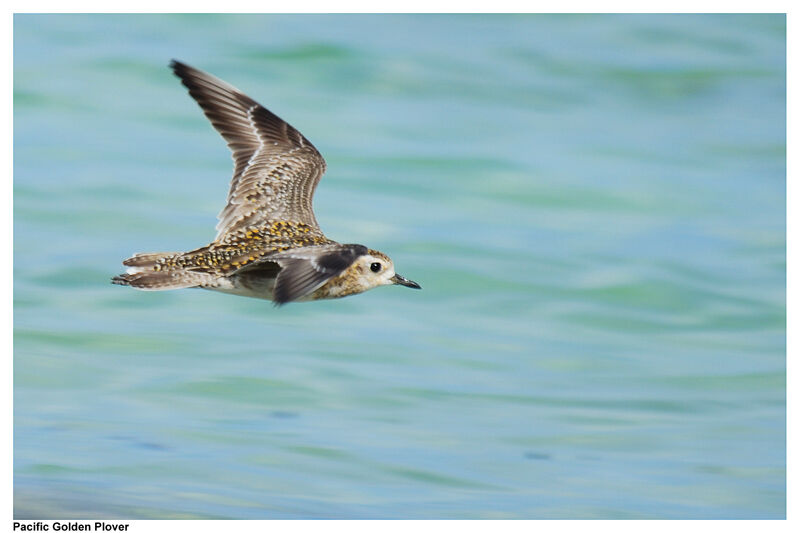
x,y
268,242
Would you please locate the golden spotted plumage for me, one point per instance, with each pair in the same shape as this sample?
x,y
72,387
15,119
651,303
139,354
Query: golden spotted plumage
x,y
244,246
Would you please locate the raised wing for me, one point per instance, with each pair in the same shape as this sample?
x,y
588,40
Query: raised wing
x,y
276,169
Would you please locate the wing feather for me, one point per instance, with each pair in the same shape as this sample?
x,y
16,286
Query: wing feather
x,y
276,169
304,270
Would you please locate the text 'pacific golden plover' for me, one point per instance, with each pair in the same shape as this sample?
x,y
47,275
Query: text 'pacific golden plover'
x,y
268,242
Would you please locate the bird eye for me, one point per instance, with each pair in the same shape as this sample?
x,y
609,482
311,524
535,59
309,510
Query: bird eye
x,y
375,267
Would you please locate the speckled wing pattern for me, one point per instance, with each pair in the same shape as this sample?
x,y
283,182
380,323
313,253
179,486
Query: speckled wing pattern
x,y
276,169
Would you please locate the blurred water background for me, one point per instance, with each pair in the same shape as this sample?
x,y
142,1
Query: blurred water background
x,y
594,206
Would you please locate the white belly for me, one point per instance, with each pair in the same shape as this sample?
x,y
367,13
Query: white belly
x,y
250,287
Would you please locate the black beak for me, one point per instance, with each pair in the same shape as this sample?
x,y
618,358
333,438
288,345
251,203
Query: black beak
x,y
400,280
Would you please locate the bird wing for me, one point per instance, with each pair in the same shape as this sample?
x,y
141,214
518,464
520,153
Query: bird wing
x,y
304,270
276,169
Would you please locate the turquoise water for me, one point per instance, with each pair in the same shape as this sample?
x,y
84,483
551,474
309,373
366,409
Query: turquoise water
x,y
594,206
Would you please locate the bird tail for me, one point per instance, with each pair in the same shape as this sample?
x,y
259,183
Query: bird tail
x,y
145,272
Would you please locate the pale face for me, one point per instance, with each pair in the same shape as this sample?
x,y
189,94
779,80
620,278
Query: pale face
x,y
376,271
382,269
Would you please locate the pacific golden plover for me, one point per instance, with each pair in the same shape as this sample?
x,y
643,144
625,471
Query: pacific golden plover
x,y
268,242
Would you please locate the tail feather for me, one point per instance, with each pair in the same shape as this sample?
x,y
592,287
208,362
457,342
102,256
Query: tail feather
x,y
164,280
142,274
147,259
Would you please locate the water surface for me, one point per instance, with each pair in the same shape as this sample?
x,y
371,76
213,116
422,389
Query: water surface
x,y
594,206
